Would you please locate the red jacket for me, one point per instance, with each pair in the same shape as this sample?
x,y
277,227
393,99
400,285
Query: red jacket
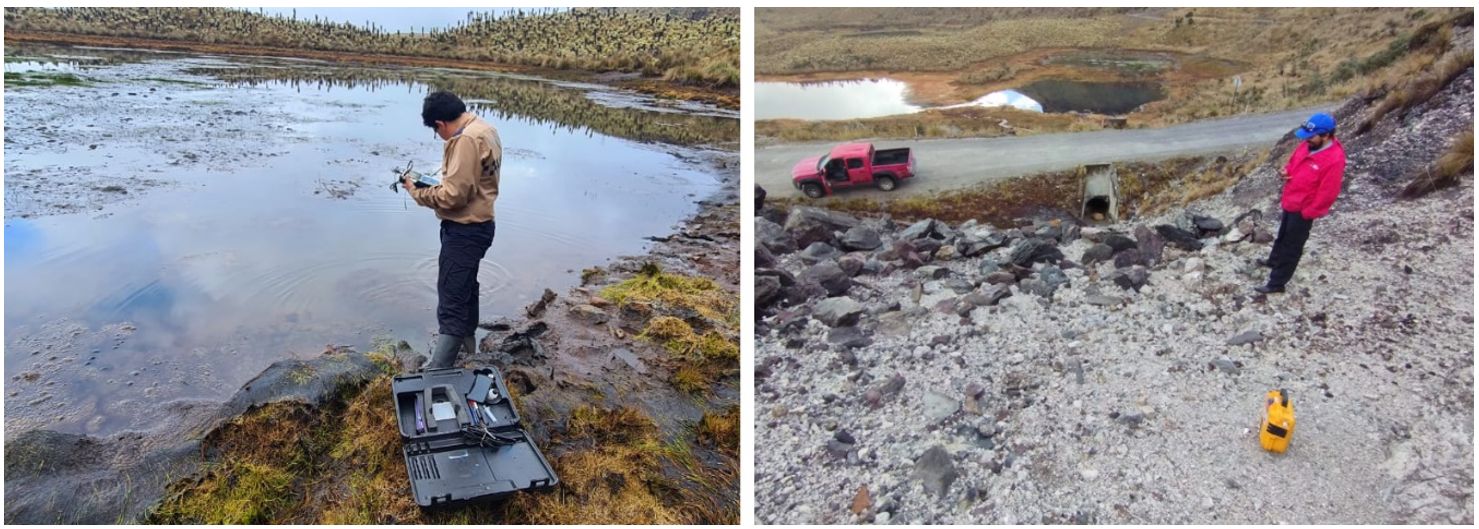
x,y
1314,180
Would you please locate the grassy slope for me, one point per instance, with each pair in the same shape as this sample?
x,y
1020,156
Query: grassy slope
x,y
683,46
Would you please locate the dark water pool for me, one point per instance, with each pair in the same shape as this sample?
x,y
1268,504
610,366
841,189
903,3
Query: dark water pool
x,y
1100,98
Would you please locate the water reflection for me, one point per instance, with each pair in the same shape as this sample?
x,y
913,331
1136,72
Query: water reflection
x,y
507,97
865,98
26,66
1100,98
859,99
1008,98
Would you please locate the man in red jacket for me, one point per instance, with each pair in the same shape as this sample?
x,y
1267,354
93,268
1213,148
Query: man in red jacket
x,y
1311,183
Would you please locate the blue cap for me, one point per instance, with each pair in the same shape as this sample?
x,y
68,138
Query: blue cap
x,y
1321,123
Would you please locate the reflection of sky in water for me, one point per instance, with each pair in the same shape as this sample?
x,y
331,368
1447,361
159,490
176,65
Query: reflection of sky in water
x,y
40,66
832,100
248,265
1008,98
859,99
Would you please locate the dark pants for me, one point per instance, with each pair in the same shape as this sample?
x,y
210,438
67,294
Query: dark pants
x,y
1288,248
463,248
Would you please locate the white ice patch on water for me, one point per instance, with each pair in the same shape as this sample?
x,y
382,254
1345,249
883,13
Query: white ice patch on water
x,y
1007,98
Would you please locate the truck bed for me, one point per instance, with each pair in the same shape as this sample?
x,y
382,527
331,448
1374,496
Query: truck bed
x,y
891,156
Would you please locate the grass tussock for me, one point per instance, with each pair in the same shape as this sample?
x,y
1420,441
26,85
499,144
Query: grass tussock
x,y
690,378
1446,170
721,431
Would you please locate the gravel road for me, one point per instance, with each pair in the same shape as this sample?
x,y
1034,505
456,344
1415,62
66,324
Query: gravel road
x,y
956,163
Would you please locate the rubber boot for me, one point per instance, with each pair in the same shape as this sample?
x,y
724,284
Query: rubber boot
x,y
444,352
470,345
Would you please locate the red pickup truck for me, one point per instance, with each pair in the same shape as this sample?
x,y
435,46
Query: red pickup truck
x,y
853,165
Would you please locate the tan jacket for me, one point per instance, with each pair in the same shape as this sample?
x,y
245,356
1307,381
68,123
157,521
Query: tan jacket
x,y
471,163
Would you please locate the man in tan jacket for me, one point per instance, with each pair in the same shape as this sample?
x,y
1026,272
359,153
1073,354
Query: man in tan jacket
x,y
464,202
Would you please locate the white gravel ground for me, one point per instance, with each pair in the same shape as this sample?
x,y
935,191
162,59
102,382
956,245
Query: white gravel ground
x,y
1374,342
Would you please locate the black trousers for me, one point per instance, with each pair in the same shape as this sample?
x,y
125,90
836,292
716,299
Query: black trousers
x,y
463,248
1294,230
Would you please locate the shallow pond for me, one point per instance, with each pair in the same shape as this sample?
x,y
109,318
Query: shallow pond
x,y
866,98
856,99
1099,98
179,222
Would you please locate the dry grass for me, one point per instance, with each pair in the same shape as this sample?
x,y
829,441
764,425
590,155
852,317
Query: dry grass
x,y
1417,89
721,431
1446,170
975,122
376,491
690,378
621,476
790,40
1151,189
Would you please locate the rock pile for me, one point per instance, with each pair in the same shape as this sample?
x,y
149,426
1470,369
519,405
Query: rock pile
x,y
1053,372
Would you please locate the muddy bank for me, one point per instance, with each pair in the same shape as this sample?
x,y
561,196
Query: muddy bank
x,y
607,398
118,479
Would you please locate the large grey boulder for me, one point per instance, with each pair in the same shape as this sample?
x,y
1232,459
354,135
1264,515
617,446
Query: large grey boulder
x,y
809,224
838,311
773,237
860,237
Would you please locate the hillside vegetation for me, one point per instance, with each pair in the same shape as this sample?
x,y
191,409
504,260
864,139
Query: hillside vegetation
x,y
1211,62
692,46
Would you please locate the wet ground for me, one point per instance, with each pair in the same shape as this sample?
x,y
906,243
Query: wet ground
x,y
177,222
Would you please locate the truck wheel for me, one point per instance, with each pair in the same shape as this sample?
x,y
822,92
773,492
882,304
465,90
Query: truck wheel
x,y
813,190
886,183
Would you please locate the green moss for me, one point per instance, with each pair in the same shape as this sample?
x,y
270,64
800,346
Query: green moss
x,y
302,374
714,345
236,492
44,79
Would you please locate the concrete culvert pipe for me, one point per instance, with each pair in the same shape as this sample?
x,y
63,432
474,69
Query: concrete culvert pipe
x,y
1101,194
